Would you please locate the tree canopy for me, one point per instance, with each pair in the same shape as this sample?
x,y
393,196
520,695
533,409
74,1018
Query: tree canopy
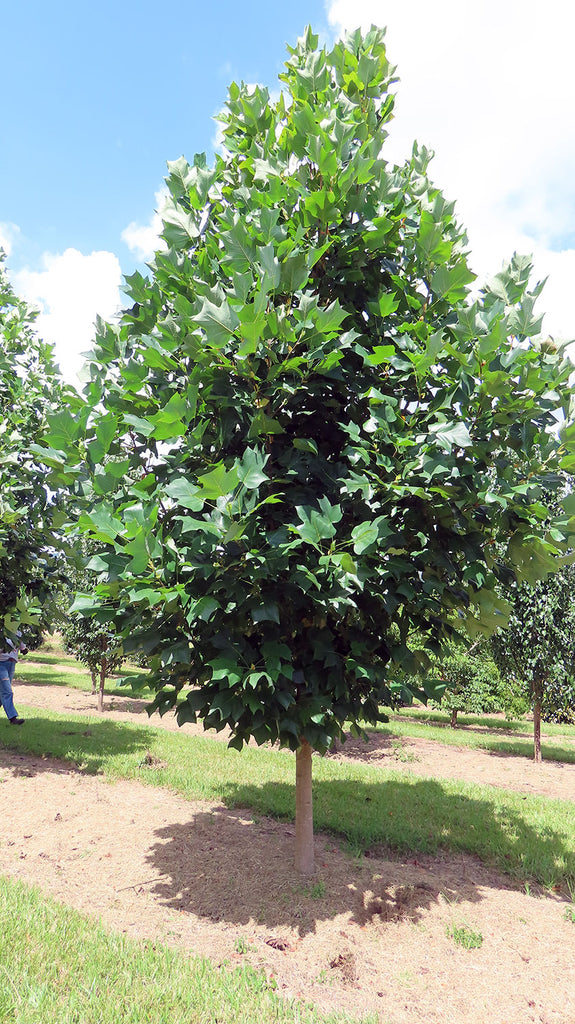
x,y
304,442
30,514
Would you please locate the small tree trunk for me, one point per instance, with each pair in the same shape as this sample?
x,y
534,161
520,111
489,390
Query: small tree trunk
x,y
304,856
103,667
94,684
537,702
453,722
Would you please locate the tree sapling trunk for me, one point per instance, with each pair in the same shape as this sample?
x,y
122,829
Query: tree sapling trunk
x,y
304,852
453,722
537,703
103,667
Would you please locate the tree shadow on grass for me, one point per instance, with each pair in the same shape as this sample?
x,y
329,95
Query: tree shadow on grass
x,y
36,677
514,746
227,866
79,744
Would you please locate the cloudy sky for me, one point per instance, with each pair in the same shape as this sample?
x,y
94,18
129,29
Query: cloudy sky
x,y
97,97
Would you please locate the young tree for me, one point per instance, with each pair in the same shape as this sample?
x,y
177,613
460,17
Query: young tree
x,y
285,441
472,682
30,515
537,648
97,646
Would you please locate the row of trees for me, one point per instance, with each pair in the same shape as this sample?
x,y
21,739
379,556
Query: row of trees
x,y
308,459
531,663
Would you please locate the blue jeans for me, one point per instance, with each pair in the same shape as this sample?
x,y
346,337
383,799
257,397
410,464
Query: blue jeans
x,y
7,669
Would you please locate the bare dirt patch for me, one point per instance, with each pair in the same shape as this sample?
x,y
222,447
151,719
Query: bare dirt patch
x,y
363,935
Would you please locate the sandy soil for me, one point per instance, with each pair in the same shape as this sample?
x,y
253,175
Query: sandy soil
x,y
365,935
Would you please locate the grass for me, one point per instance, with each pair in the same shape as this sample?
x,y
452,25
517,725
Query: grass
x,y
116,980
419,713
415,721
54,667
528,837
465,937
469,736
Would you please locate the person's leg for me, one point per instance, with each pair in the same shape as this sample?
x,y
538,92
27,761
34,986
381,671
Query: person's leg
x,y
7,669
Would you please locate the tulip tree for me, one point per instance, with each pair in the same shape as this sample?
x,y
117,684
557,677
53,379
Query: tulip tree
x,y
30,517
303,444
536,648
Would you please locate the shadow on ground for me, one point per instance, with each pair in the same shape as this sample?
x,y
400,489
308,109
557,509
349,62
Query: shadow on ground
x,y
227,866
497,746
81,744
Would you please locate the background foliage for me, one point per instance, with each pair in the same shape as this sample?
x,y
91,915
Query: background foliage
x,y
31,515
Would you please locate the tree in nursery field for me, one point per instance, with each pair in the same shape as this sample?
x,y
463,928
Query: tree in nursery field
x,y
97,646
538,645
472,682
287,444
30,515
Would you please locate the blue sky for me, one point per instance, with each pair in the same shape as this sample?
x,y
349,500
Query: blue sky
x,y
98,97
101,95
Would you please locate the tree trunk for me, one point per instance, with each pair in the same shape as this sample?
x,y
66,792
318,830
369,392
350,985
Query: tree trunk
x,y
103,667
94,685
537,702
453,722
304,856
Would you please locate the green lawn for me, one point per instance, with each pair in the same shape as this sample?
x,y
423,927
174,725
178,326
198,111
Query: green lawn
x,y
421,714
528,837
470,734
52,666
58,967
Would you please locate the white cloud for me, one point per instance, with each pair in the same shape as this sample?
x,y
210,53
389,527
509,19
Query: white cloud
x,y
488,86
70,292
144,239
8,234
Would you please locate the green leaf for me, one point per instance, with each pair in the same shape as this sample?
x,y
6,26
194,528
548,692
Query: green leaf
x,y
140,425
294,273
381,354
305,444
316,526
268,611
363,536
264,424
250,470
219,322
84,604
186,494
452,282
63,431
219,482
180,228
101,523
450,434
205,608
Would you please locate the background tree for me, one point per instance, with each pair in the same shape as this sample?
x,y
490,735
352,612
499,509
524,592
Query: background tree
x,y
30,515
284,445
97,646
537,647
472,682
